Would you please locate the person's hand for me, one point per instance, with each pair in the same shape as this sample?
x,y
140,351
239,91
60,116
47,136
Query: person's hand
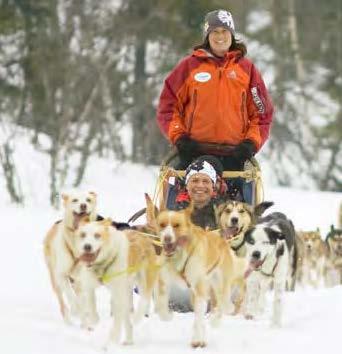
x,y
244,151
187,146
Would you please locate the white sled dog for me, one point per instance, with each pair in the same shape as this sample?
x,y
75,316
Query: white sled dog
x,y
120,260
59,248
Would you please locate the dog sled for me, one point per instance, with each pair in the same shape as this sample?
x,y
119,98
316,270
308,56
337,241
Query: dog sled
x,y
170,182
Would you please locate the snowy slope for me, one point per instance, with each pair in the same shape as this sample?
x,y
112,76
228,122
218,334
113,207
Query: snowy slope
x,y
30,322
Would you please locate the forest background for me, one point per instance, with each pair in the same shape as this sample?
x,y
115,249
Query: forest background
x,y
82,79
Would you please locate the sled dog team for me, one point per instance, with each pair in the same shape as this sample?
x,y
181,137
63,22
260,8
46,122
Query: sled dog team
x,y
247,253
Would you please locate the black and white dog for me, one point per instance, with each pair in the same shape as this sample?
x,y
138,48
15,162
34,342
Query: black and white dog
x,y
270,248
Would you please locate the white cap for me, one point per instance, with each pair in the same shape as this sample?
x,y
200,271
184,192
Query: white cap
x,y
201,167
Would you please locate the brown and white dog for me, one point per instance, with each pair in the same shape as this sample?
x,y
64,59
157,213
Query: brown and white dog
x,y
333,271
312,258
199,259
119,260
234,218
59,248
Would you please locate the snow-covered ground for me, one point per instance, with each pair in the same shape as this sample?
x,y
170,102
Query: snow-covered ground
x,y
30,322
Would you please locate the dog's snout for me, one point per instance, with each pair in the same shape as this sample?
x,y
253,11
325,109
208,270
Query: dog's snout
x,y
83,206
234,220
256,254
167,239
87,247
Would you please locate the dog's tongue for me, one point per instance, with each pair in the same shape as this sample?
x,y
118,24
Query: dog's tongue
x,y
169,248
88,257
253,265
77,219
230,232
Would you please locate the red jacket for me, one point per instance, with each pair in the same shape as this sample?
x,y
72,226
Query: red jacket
x,y
215,101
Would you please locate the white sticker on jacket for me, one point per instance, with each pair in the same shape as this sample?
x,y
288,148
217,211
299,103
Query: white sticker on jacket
x,y
202,76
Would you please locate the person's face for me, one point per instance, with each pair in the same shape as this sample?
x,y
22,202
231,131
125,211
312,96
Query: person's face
x,y
200,189
220,40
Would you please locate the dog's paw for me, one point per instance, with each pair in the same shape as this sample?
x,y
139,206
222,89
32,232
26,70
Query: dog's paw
x,y
249,317
87,327
198,344
128,342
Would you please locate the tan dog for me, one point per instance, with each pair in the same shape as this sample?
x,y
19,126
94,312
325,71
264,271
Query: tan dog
x,y
333,271
59,247
312,257
199,259
119,260
234,219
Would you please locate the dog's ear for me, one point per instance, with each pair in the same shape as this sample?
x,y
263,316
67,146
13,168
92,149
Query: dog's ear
x,y
260,208
151,212
274,234
93,194
218,208
106,222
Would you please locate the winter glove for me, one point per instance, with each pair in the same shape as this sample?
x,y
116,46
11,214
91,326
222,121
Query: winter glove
x,y
187,146
244,151
187,151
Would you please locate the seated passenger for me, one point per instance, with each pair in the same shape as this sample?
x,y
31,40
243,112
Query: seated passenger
x,y
202,187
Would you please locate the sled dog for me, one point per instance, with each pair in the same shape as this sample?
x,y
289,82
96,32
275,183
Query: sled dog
x,y
270,248
312,252
119,260
59,247
234,218
199,259
333,273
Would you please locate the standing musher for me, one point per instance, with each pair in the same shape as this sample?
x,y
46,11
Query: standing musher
x,y
216,95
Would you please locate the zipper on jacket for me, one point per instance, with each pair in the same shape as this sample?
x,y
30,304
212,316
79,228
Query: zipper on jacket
x,y
194,97
243,111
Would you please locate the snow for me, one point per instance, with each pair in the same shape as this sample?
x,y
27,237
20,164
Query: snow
x,y
30,321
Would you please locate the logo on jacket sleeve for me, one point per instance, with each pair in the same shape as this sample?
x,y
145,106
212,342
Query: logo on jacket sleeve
x,y
202,76
257,100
